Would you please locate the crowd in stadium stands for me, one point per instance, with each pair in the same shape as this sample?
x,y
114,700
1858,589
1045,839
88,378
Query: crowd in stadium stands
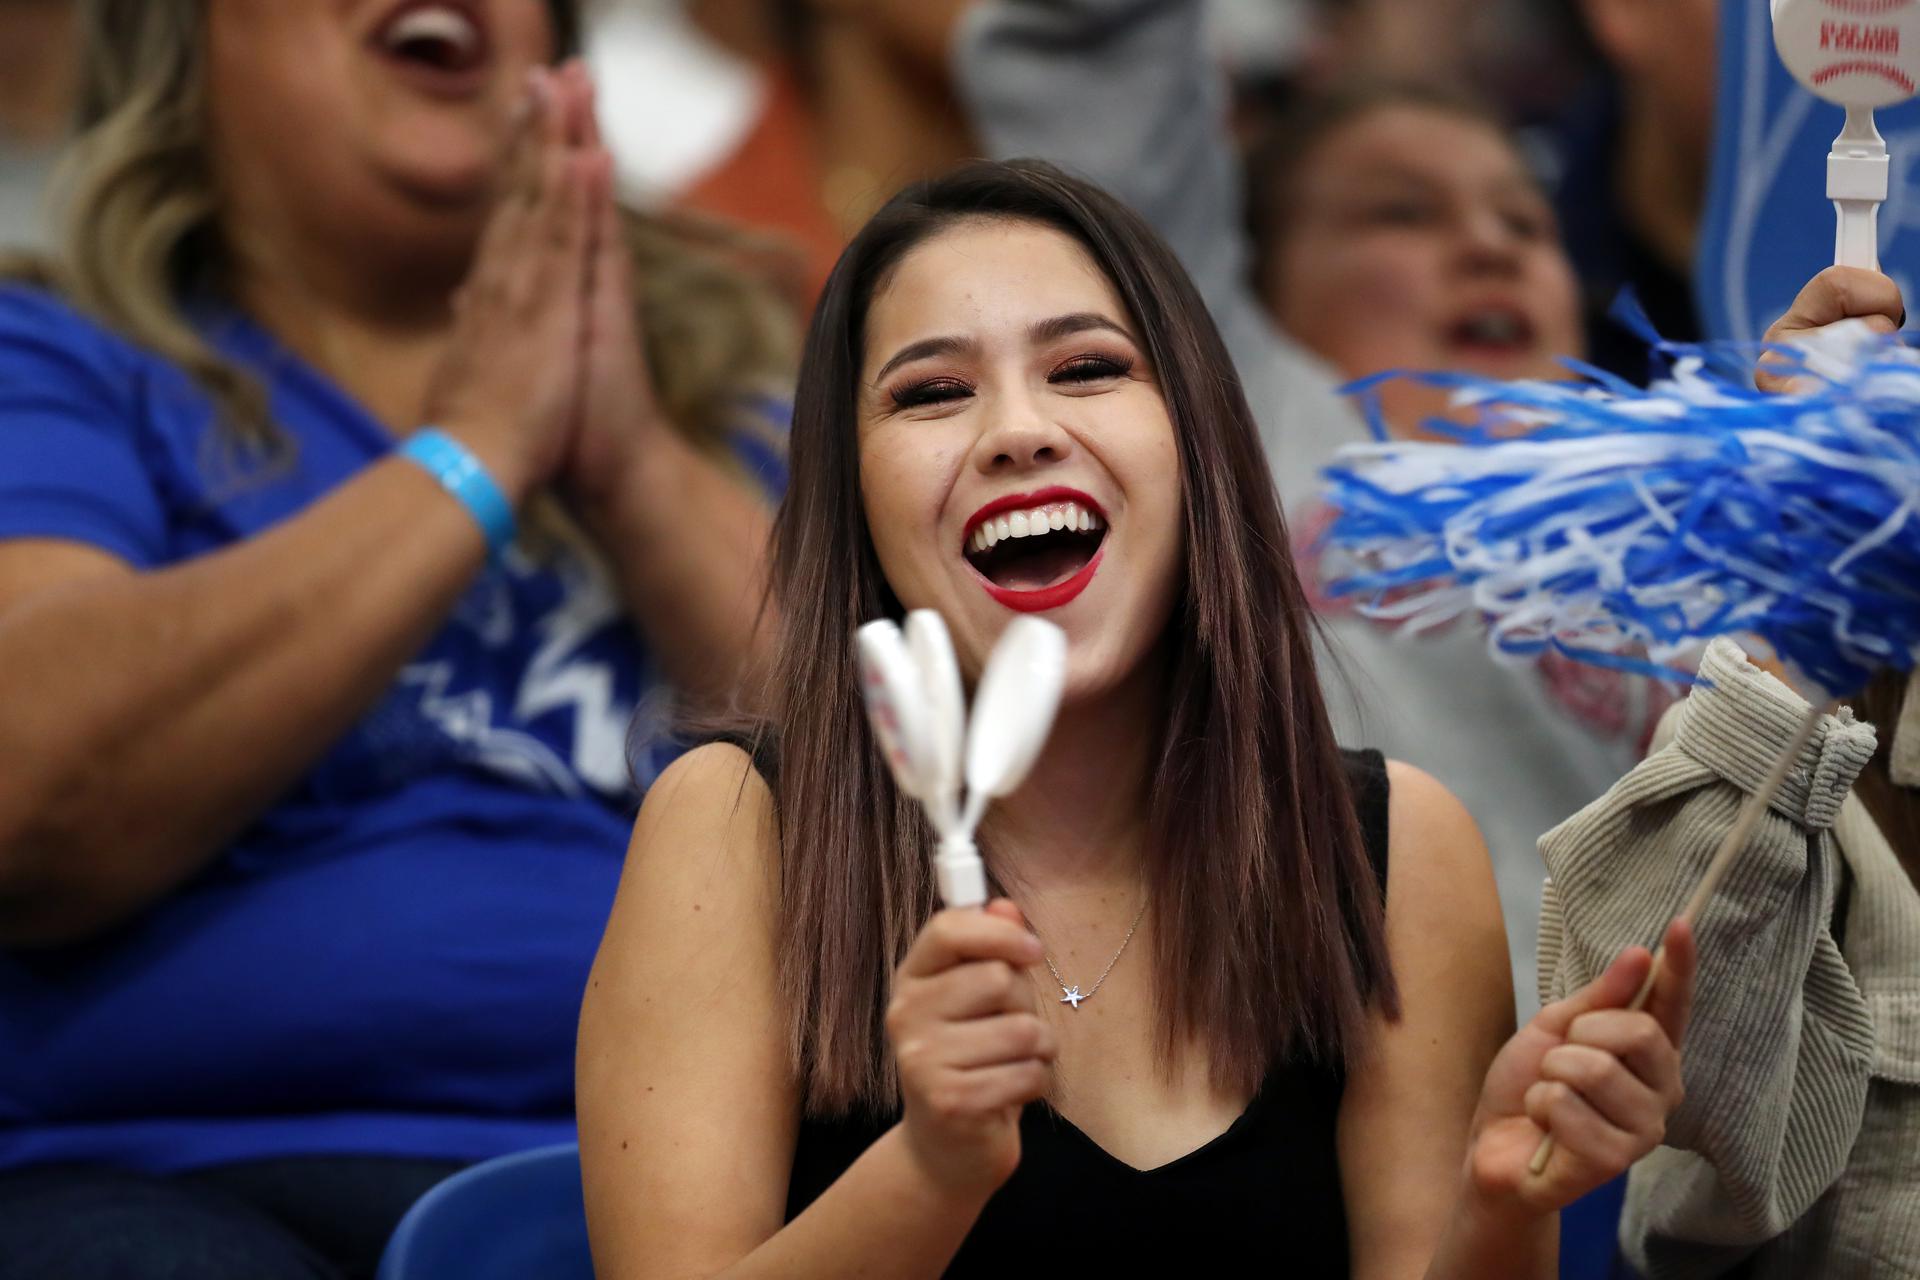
x,y
447,447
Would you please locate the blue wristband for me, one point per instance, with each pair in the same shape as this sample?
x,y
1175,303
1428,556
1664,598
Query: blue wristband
x,y
460,474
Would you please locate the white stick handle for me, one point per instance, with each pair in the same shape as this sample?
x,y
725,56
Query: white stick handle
x,y
961,876
1857,184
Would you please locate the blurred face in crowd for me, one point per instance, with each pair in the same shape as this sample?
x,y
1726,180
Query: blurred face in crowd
x,y
1414,238
377,116
1016,454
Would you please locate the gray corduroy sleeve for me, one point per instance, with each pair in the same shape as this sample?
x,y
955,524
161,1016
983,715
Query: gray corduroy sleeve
x,y
1778,1053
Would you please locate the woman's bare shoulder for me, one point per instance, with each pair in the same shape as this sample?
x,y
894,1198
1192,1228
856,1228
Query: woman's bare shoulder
x,y
1443,909
712,791
704,856
709,773
1433,842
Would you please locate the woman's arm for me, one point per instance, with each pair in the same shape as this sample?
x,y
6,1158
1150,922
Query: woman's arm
x,y
687,537
1408,1108
688,1111
688,541
1438,1183
149,716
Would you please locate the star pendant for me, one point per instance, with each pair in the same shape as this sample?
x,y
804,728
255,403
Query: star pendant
x,y
1072,996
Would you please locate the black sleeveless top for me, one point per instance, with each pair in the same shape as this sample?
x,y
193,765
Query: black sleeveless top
x,y
1262,1198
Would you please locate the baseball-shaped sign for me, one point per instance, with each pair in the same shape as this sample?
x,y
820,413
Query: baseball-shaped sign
x,y
1854,53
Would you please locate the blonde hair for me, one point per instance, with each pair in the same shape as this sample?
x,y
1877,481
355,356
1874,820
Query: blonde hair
x,y
143,240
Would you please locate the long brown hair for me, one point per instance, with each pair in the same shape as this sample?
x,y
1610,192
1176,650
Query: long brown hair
x,y
1268,917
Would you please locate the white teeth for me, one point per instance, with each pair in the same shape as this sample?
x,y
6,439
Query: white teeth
x,y
1070,516
434,23
1495,327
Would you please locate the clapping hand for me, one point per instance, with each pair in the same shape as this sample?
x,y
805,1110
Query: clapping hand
x,y
619,415
546,376
509,384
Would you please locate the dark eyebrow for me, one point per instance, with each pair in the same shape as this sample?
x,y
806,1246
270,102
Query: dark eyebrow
x,y
1041,332
948,346
1079,322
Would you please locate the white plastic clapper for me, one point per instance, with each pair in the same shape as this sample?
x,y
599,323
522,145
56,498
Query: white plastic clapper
x,y
911,684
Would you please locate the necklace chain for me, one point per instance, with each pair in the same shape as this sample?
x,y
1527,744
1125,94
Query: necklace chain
x,y
1072,996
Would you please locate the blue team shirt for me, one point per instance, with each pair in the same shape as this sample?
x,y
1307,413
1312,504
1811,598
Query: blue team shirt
x,y
390,960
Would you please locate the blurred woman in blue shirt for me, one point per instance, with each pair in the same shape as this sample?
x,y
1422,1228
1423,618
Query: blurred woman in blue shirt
x,y
315,776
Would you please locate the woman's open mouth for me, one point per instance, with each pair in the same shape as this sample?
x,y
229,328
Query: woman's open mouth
x,y
1496,334
1034,552
439,44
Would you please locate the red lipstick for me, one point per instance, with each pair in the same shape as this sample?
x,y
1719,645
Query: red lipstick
x,y
1044,598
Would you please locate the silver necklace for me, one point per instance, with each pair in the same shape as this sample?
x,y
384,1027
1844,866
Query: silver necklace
x,y
1072,995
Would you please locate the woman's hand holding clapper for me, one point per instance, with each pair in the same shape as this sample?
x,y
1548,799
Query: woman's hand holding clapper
x,y
971,1047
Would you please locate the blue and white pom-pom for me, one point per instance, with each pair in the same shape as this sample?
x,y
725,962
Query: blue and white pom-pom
x,y
1626,527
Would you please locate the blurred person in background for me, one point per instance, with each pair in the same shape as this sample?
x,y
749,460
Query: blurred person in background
x,y
870,77
1395,227
1633,160
1518,54
1437,40
38,76
314,788
796,117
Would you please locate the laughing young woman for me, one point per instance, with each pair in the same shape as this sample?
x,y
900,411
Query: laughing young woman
x,y
1288,1053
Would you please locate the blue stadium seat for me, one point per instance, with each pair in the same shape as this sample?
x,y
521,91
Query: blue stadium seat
x,y
513,1218
1589,1231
